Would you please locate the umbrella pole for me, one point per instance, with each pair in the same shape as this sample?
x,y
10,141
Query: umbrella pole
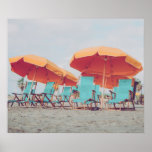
x,y
105,59
31,85
102,91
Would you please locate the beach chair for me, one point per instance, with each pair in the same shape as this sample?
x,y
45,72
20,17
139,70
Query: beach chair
x,y
45,97
85,88
122,93
88,81
64,97
24,96
86,97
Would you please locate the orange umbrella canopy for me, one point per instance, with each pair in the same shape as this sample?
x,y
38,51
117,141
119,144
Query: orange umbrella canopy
x,y
69,79
36,68
114,61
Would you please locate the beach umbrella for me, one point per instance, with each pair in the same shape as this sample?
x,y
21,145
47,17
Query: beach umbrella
x,y
105,61
36,68
68,79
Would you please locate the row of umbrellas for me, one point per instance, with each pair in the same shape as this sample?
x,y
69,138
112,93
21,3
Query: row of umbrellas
x,y
107,65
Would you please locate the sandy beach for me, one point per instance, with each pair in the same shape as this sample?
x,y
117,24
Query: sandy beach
x,y
49,120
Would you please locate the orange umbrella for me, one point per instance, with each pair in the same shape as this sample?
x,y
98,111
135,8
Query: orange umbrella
x,y
36,68
105,61
69,79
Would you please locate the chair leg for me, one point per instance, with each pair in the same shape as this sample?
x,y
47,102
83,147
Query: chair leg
x,y
133,104
72,105
75,105
124,105
63,104
120,106
90,106
84,106
23,104
32,104
105,106
27,104
114,105
12,104
109,106
128,104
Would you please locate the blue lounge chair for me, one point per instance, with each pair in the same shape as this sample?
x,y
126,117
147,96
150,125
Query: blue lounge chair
x,y
46,96
64,97
86,96
122,93
25,94
86,91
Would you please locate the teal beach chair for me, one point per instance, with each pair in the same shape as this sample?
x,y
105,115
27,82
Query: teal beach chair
x,y
64,97
86,96
46,96
122,93
85,88
24,96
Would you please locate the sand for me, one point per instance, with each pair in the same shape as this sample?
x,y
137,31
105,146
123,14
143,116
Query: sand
x,y
49,120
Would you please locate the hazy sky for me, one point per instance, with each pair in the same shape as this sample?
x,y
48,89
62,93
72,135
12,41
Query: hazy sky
x,y
58,39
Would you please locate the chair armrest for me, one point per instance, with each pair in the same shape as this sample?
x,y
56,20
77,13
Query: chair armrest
x,y
112,92
75,91
26,93
17,93
34,94
46,94
93,91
